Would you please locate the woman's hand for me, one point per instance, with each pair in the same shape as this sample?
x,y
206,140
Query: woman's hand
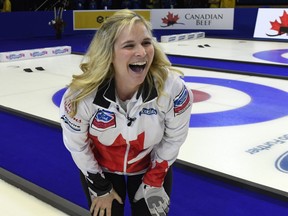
x,y
104,203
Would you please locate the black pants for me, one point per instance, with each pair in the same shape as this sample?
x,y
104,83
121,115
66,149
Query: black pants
x,y
129,184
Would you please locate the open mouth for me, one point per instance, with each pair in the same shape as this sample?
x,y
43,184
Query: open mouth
x,y
137,66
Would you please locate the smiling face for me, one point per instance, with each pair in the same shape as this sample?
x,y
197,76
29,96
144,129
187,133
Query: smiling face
x,y
133,55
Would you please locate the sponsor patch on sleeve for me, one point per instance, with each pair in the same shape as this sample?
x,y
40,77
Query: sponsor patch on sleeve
x,y
181,101
71,123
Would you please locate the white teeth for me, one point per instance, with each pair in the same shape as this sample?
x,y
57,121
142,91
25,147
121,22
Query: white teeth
x,y
138,63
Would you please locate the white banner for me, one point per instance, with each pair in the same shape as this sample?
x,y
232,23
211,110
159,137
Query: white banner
x,y
34,53
196,19
272,23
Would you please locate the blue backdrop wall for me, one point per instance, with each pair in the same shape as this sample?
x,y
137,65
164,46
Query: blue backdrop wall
x,y
35,24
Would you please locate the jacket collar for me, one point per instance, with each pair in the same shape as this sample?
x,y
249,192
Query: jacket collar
x,y
106,93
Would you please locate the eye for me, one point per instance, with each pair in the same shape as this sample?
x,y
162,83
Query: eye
x,y
128,46
146,43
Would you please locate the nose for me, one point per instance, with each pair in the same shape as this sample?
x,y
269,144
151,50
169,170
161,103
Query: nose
x,y
140,51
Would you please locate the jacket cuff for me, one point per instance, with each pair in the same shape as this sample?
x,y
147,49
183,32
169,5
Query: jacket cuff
x,y
155,176
98,185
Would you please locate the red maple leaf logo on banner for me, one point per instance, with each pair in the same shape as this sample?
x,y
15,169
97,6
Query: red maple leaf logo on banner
x,y
280,27
170,19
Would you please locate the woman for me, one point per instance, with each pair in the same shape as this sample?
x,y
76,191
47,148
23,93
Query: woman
x,y
125,118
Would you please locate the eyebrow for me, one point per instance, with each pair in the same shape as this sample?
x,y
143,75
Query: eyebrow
x,y
132,41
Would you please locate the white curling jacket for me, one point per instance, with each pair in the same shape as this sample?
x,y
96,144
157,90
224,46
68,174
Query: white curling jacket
x,y
145,139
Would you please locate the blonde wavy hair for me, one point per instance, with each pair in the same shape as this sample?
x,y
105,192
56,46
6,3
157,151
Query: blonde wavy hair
x,y
97,64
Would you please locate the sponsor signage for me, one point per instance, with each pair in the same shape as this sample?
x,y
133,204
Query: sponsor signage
x,y
209,19
272,23
34,53
93,19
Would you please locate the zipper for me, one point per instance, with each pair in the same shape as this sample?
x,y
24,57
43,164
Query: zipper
x,y
126,157
126,116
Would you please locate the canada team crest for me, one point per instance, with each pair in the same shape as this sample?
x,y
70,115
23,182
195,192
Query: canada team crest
x,y
104,120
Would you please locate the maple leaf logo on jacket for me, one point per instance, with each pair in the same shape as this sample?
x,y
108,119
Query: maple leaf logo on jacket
x,y
280,27
171,20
